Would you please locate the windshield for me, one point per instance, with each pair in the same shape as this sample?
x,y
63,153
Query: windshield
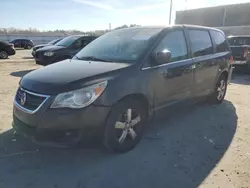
x,y
237,41
67,41
121,45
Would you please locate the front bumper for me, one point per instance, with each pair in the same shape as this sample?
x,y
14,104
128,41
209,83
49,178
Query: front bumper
x,y
11,51
33,53
59,126
45,61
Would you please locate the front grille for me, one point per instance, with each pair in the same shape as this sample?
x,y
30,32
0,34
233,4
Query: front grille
x,y
32,101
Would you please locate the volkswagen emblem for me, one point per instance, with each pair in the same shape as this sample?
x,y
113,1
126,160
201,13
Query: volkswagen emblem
x,y
23,98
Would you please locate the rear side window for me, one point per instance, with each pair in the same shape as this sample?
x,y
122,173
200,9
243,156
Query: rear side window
x,y
174,42
201,43
220,41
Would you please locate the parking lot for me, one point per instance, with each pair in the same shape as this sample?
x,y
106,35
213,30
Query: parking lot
x,y
20,56
206,146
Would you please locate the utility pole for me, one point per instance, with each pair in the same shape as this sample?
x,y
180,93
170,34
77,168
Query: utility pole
x,y
109,26
170,11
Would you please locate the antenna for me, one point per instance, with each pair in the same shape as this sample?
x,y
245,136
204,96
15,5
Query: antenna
x,y
170,11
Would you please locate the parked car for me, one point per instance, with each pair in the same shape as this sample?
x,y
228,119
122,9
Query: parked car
x,y
22,43
120,80
240,46
64,49
6,50
53,42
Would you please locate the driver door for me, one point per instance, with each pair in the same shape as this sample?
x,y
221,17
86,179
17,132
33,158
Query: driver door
x,y
173,80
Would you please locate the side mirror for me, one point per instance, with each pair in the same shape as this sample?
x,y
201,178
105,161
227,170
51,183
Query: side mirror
x,y
162,57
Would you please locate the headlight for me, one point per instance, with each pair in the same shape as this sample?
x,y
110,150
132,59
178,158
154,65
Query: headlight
x,y
79,98
48,53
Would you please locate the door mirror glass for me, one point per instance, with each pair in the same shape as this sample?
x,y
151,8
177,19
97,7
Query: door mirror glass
x,y
161,57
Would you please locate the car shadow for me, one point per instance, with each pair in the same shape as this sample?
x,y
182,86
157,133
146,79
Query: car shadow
x,y
177,151
21,73
28,57
241,78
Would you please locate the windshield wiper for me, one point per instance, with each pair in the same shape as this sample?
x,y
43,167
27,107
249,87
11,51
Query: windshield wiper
x,y
93,58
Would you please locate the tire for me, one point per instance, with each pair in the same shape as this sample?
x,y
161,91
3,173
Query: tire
x,y
120,134
219,91
3,54
29,47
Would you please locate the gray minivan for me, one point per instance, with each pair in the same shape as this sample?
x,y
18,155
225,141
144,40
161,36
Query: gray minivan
x,y
120,80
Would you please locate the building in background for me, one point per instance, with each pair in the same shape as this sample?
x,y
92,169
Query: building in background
x,y
232,19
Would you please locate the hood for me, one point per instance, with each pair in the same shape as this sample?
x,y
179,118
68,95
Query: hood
x,y
38,46
51,48
68,75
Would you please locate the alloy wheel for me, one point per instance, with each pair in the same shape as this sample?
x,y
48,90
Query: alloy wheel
x,y
3,55
221,89
126,126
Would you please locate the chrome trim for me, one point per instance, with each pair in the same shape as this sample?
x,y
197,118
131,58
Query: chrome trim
x,y
31,93
157,66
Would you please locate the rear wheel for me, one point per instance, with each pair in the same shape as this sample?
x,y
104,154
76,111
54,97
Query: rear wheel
x,y
220,90
124,126
3,54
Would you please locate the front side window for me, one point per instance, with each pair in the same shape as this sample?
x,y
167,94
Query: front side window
x,y
67,41
201,43
220,41
174,42
123,45
77,44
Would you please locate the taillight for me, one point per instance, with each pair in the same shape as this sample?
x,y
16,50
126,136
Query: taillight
x,y
245,52
231,60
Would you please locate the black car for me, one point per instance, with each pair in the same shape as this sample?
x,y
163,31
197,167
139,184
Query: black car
x,y
64,49
120,80
22,43
6,50
53,42
240,46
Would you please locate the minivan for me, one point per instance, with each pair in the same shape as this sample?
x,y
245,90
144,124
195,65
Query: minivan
x,y
64,49
119,81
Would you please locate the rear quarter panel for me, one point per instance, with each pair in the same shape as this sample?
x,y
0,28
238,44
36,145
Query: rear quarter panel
x,y
223,61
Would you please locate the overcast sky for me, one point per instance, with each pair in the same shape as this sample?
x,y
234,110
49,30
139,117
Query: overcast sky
x,y
93,14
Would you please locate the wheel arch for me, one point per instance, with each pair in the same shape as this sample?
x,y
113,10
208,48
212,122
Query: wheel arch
x,y
141,98
224,73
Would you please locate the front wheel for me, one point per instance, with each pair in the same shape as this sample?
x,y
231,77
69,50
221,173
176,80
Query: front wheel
x,y
125,125
220,90
3,54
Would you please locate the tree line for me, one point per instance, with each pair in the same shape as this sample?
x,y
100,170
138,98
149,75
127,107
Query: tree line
x,y
34,31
